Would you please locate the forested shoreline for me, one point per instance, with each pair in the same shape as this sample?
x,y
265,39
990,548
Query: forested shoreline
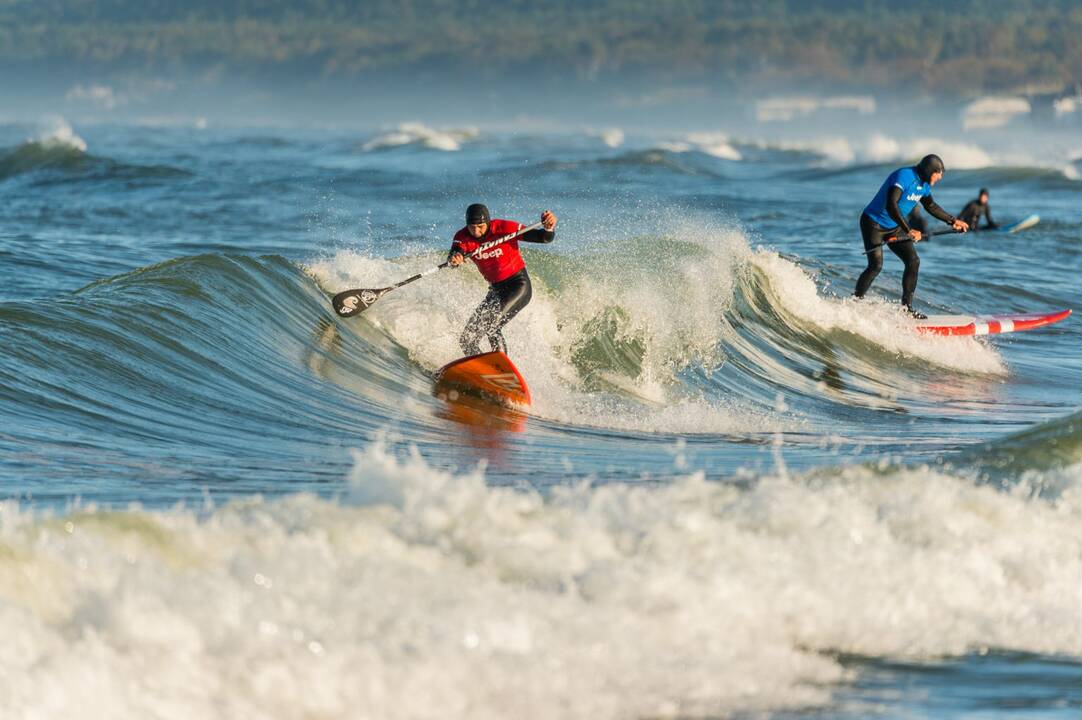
x,y
967,48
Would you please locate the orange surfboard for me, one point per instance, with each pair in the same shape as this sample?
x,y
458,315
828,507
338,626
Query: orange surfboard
x,y
491,374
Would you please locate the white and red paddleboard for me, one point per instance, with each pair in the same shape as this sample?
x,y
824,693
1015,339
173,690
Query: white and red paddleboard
x,y
491,374
987,324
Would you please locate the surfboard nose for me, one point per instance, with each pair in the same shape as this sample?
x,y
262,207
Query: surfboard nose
x,y
491,374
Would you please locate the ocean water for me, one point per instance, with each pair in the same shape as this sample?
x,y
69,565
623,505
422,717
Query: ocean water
x,y
739,492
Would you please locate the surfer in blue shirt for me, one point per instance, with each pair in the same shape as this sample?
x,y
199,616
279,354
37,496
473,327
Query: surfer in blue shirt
x,y
884,220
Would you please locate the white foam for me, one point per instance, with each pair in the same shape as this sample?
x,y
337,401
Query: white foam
x,y
671,302
57,133
610,137
957,155
993,112
413,133
883,323
879,148
437,596
837,150
1066,105
676,307
674,147
716,144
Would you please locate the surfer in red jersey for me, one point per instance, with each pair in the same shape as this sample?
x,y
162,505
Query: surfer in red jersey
x,y
509,284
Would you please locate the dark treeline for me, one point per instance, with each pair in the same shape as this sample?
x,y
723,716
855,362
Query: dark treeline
x,y
968,47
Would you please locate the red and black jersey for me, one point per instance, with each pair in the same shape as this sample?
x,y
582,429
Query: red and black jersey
x,y
498,263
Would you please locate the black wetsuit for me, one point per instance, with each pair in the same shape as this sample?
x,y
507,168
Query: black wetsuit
x,y
972,213
916,220
504,300
875,236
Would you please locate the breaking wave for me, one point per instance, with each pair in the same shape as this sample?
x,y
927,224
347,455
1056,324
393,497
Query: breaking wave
x,y
432,594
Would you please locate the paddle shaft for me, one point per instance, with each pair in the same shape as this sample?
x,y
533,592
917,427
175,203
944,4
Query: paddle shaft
x,y
351,302
949,231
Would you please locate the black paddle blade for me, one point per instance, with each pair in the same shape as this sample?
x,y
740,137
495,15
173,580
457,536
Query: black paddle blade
x,y
351,302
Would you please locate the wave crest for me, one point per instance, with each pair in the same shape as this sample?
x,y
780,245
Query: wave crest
x,y
689,332
412,133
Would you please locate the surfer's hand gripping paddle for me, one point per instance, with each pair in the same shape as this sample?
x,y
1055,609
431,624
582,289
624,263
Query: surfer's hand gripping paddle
x,y
906,238
351,302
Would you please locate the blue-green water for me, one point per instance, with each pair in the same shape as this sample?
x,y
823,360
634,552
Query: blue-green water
x,y
738,491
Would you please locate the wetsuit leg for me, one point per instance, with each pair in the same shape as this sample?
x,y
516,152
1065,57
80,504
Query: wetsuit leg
x,y
470,340
908,255
504,300
874,237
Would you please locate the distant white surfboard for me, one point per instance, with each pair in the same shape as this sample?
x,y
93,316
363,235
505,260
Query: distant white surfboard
x,y
1021,224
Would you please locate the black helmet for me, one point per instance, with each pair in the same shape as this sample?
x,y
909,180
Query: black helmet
x,y
477,214
928,166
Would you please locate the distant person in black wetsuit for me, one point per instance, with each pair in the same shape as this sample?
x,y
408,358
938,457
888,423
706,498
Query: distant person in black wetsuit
x,y
509,284
884,220
974,209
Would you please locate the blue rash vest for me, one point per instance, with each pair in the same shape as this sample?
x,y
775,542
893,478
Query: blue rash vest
x,y
913,189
